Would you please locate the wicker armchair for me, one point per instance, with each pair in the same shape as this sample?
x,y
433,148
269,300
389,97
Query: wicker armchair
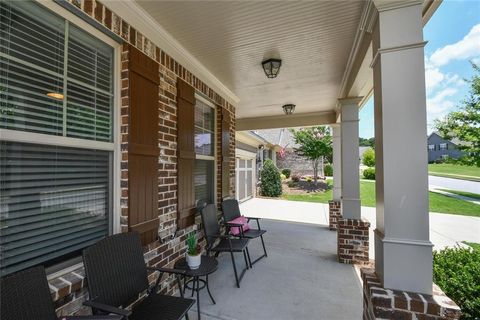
x,y
231,210
25,295
117,276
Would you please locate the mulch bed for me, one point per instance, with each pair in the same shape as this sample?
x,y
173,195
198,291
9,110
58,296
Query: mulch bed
x,y
304,186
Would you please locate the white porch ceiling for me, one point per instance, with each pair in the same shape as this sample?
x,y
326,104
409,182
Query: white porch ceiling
x,y
231,38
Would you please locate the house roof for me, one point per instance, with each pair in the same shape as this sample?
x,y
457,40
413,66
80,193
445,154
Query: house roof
x,y
282,137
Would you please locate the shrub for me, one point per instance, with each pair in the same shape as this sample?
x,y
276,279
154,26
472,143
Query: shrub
x,y
457,272
369,173
287,172
309,179
328,170
295,178
368,158
271,183
292,184
283,177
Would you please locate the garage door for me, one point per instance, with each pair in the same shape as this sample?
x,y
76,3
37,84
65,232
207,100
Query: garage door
x,y
245,178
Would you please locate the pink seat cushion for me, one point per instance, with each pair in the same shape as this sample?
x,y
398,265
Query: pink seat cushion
x,y
240,220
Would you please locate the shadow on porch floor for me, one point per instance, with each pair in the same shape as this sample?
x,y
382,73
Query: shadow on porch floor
x,y
299,280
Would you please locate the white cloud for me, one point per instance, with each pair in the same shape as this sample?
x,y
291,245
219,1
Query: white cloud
x,y
440,104
433,77
467,48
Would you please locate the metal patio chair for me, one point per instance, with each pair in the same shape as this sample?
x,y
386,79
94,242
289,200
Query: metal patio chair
x,y
225,243
25,295
231,210
117,276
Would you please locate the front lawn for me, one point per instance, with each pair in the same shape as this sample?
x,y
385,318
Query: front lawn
x,y
455,171
438,202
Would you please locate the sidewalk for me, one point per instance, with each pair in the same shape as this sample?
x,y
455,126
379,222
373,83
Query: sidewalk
x,y
446,230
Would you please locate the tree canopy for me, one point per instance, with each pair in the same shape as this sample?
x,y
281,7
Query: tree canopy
x,y
315,143
464,123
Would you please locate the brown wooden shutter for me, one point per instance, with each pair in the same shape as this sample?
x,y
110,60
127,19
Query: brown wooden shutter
x,y
143,148
225,153
185,154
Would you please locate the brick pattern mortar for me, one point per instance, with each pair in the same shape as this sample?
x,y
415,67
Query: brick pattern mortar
x,y
380,303
334,213
352,241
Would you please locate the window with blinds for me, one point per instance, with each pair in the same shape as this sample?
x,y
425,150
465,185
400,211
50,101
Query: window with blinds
x,y
56,80
204,174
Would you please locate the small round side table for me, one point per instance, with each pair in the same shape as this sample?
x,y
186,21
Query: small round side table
x,y
207,266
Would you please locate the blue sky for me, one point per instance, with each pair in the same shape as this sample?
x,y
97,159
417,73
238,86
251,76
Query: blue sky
x,y
453,35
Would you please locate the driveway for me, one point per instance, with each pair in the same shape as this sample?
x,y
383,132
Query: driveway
x,y
454,184
446,230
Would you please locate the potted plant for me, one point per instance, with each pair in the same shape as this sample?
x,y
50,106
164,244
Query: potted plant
x,y
193,251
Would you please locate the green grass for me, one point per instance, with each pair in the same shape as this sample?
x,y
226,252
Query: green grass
x,y
463,193
438,202
455,171
475,246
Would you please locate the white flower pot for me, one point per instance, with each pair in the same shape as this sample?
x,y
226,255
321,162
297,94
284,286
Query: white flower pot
x,y
194,261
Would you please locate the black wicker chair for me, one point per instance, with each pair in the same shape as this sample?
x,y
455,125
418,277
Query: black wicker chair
x,y
226,243
25,295
231,210
117,276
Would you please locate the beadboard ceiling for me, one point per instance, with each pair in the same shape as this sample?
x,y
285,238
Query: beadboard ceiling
x,y
231,38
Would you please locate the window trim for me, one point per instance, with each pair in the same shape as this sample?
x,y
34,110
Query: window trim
x,y
38,138
213,158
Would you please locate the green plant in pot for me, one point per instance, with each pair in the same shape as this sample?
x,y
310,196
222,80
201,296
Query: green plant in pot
x,y
193,251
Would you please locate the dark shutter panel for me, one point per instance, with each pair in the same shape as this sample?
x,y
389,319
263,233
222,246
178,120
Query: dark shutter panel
x,y
225,153
185,154
143,148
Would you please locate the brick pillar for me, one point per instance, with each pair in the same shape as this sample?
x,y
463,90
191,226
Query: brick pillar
x,y
381,303
334,213
352,241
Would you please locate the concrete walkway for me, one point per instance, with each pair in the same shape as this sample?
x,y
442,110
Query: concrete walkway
x,y
300,279
453,184
445,229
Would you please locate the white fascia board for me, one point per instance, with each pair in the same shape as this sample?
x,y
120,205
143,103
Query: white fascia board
x,y
137,17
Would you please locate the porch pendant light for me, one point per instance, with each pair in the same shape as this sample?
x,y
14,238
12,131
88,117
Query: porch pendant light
x,y
271,67
288,109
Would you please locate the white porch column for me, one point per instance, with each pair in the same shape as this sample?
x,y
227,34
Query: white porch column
x,y
337,162
350,160
403,252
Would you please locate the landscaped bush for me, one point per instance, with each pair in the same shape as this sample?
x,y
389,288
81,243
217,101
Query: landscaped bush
x,y
296,178
283,177
328,170
457,272
369,173
368,158
309,179
292,184
271,183
287,172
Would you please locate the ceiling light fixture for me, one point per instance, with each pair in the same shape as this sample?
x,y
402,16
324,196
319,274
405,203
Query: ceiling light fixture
x,y
271,67
288,108
55,95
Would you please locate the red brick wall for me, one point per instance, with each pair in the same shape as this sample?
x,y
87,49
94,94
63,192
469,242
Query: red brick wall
x,y
68,289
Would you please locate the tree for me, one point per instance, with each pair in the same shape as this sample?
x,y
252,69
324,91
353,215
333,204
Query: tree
x,y
368,157
315,143
271,183
364,142
464,123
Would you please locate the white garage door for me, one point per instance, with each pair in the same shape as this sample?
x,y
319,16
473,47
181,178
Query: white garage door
x,y
245,178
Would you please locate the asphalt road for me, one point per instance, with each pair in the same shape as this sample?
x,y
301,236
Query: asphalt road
x,y
454,184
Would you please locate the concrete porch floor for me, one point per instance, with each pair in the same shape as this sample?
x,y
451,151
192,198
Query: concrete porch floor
x,y
300,279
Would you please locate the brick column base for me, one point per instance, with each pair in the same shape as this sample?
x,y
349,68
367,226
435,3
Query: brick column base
x,y
352,241
381,303
334,213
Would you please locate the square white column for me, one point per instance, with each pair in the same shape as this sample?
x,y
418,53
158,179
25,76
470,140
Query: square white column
x,y
403,252
350,161
337,162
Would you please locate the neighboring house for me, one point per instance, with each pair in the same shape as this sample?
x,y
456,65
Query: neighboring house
x,y
439,148
251,150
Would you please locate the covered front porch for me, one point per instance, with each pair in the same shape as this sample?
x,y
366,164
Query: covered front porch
x,y
176,80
